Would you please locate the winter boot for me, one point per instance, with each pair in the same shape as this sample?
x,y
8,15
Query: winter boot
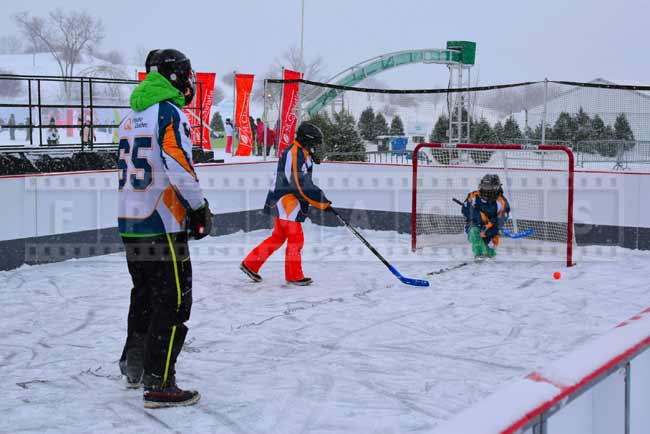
x,y
305,281
131,366
250,273
159,395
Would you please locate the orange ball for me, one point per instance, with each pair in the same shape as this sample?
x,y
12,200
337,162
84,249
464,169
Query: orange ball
x,y
557,275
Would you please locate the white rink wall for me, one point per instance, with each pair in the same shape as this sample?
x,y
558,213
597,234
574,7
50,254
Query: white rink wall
x,y
52,204
602,387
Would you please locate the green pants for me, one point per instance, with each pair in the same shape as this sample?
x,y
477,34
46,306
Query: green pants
x,y
480,249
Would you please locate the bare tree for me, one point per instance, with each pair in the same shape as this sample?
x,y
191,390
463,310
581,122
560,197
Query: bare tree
x,y
140,55
65,34
10,45
219,95
115,91
229,79
114,57
9,88
513,100
313,69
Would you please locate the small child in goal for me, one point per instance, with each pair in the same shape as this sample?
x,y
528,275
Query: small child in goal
x,y
486,210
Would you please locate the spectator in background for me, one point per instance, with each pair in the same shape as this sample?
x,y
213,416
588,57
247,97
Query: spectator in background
x,y
12,124
229,129
52,133
254,134
260,135
270,140
28,130
87,133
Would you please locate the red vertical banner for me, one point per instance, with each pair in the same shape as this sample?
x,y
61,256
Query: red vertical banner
x,y
199,119
243,87
288,115
200,108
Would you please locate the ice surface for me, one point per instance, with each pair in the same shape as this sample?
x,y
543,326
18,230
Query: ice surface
x,y
355,352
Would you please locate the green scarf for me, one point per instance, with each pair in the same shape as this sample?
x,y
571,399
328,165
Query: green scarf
x,y
154,89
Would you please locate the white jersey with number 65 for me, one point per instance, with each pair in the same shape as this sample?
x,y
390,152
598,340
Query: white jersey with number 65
x,y
157,182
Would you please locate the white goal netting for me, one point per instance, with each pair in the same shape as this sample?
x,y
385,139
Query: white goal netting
x,y
537,182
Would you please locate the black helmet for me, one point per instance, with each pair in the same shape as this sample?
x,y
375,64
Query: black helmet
x,y
311,138
490,187
175,67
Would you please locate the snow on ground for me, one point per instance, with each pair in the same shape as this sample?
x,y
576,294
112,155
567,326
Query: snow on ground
x,y
355,352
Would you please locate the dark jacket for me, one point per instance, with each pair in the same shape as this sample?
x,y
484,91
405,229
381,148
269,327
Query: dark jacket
x,y
488,216
294,191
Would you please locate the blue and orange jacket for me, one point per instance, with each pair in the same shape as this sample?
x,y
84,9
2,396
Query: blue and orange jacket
x,y
488,216
293,190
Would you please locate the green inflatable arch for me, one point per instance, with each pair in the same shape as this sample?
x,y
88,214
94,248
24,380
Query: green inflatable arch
x,y
457,52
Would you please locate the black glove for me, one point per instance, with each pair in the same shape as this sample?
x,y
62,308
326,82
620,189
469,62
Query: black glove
x,y
199,221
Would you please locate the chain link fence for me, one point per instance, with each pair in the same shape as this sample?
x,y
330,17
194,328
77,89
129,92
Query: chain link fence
x,y
607,125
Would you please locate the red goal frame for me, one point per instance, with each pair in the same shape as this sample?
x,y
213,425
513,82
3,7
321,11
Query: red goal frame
x,y
565,149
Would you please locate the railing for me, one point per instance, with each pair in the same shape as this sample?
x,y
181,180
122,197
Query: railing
x,y
591,155
613,154
86,111
92,100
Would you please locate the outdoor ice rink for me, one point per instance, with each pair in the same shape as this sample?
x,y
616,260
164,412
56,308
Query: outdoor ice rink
x,y
357,352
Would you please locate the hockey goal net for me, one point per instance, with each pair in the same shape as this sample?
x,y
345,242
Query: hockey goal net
x,y
537,181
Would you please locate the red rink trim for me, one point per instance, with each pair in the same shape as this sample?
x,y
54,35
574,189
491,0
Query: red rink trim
x,y
87,172
539,378
360,163
566,391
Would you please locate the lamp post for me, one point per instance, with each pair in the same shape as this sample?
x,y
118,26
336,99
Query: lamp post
x,y
302,32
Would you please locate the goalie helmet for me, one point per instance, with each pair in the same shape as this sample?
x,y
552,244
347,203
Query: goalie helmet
x,y
175,67
490,187
311,138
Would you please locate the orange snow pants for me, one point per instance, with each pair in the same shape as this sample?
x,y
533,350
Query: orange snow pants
x,y
284,230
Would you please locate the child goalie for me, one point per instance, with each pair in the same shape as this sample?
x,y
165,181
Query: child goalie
x,y
485,210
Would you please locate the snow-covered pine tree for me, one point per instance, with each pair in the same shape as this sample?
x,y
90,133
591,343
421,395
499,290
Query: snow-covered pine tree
x,y
439,133
511,131
345,143
396,126
481,132
367,124
564,129
623,131
216,123
499,133
381,126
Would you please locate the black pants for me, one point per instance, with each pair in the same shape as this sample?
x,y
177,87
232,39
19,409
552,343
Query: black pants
x,y
161,299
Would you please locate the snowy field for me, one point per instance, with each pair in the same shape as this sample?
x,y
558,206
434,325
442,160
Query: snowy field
x,y
357,352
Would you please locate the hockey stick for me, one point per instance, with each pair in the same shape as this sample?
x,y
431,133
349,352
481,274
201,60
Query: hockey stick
x,y
506,232
405,280
522,234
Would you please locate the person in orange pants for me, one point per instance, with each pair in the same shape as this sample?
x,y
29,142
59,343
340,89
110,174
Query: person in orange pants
x,y
289,201
284,230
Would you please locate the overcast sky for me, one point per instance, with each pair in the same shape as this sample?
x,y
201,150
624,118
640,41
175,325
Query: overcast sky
x,y
516,40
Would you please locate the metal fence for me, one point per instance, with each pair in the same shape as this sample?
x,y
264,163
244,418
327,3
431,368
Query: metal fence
x,y
613,154
49,114
54,113
589,155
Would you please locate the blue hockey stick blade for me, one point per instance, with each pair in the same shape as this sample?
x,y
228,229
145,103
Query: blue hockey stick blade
x,y
408,280
413,282
525,233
